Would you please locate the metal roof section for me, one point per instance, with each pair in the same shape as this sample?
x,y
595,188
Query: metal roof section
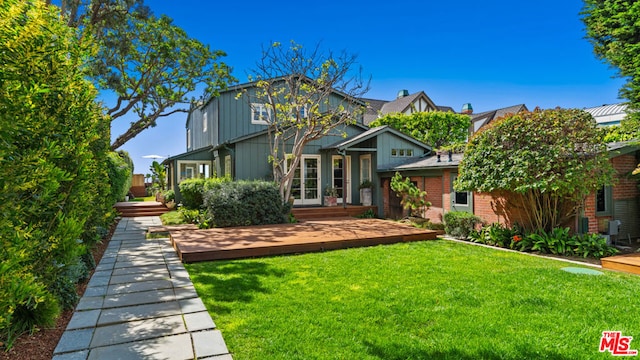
x,y
429,162
607,115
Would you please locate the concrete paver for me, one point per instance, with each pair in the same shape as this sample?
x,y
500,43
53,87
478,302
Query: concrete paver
x,y
140,304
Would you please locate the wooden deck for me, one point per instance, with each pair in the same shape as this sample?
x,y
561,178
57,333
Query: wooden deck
x,y
308,236
628,263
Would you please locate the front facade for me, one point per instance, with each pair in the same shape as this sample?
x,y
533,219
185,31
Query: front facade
x,y
226,137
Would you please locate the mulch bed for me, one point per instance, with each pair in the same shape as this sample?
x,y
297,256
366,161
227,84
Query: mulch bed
x,y
40,344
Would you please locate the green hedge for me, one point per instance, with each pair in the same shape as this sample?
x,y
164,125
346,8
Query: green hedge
x,y
54,188
192,191
241,203
460,224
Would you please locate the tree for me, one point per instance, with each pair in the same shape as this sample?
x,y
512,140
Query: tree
x,y
613,28
543,162
411,197
307,95
435,128
149,64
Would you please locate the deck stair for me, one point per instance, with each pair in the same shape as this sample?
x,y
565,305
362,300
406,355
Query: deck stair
x,y
140,208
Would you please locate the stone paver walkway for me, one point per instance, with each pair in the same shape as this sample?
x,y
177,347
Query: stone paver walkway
x,y
140,304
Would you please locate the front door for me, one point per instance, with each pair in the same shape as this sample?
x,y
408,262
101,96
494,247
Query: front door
x,y
306,181
460,200
340,176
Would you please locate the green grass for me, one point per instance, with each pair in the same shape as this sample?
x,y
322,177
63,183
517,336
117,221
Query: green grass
x,y
146,198
423,300
172,218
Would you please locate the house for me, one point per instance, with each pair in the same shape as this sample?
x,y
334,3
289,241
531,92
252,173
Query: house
x,y
404,103
226,137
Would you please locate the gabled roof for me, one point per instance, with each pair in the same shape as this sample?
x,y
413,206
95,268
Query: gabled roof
x,y
371,133
376,108
481,119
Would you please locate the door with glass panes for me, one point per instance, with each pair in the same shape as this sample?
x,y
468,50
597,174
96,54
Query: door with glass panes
x,y
306,181
341,176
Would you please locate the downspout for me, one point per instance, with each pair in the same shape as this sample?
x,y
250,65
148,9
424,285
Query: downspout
x,y
343,153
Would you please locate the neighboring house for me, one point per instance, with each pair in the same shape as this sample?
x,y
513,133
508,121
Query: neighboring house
x,y
607,115
404,103
226,137
484,118
436,174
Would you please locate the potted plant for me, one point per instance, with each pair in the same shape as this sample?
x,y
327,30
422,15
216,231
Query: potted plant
x,y
331,196
366,192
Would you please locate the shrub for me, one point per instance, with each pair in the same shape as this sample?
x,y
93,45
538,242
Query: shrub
x,y
497,235
560,242
192,190
169,195
412,198
460,224
241,203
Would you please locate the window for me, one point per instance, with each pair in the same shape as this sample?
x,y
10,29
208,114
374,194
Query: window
x,y
402,152
603,200
260,114
204,121
188,139
365,167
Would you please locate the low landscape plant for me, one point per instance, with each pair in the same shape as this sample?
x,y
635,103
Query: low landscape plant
x,y
460,224
560,241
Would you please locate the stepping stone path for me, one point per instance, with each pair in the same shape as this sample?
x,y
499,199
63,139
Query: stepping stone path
x,y
140,304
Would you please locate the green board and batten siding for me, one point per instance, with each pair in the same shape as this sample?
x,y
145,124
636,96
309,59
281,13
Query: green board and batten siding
x,y
386,142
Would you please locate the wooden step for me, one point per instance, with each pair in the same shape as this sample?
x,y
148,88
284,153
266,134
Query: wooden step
x,y
135,209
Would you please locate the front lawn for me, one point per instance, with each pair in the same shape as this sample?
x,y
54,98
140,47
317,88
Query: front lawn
x,y
423,300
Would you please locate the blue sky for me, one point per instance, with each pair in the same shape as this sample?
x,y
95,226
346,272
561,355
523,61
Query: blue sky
x,y
491,54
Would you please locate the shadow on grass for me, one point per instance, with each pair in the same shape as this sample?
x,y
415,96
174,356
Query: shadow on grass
x,y
232,281
403,352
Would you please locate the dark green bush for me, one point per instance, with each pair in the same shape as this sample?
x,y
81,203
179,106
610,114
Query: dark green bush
x,y
241,203
460,224
192,191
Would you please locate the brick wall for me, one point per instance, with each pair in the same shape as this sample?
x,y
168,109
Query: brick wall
x,y
433,187
625,188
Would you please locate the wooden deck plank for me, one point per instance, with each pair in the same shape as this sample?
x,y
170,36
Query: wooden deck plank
x,y
308,236
628,263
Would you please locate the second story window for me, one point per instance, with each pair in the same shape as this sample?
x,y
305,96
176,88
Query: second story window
x,y
259,114
188,139
204,121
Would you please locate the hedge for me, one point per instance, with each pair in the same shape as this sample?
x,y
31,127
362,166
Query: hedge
x,y
54,185
242,203
460,224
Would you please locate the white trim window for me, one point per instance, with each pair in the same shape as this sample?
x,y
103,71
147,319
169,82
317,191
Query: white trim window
x,y
365,167
188,139
260,114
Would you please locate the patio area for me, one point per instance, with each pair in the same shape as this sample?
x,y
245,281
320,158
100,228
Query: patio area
x,y
307,236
